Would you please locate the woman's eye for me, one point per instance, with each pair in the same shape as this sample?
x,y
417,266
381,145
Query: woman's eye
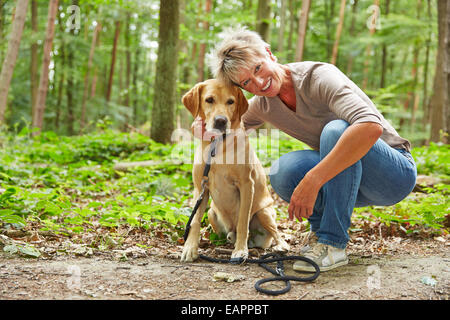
x,y
231,101
246,82
257,68
209,100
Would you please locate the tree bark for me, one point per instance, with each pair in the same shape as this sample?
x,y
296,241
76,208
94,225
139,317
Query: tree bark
x,y
384,53
352,34
282,26
86,76
43,82
166,72
113,62
372,29
426,112
262,19
338,33
11,55
303,23
34,77
440,99
202,53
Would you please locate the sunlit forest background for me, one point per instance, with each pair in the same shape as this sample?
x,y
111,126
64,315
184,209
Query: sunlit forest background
x,y
102,63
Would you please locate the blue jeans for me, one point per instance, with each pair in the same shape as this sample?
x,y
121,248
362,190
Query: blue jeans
x,y
383,177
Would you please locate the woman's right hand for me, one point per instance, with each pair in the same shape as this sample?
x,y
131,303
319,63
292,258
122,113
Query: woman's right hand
x,y
198,129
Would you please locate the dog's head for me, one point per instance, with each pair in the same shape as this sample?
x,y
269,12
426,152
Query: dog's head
x,y
219,105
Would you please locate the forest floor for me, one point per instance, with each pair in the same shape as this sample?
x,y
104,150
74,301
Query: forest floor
x,y
380,266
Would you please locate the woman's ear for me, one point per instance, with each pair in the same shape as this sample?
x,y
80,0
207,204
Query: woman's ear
x,y
191,99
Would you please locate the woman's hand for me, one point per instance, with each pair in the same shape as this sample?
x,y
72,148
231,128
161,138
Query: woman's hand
x,y
303,199
198,129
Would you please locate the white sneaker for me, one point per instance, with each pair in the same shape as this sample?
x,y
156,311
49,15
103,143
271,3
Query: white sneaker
x,y
326,257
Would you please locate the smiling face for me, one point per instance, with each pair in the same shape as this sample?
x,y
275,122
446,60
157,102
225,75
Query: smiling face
x,y
219,105
263,78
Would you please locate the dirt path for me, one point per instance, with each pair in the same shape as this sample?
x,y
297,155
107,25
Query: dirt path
x,y
399,272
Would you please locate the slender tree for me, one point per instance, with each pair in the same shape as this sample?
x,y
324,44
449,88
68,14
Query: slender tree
x,y
166,72
38,116
372,27
338,33
306,5
263,19
202,53
440,100
34,79
113,61
86,76
11,55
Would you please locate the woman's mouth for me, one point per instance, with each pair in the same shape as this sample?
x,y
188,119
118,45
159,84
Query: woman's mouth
x,y
267,86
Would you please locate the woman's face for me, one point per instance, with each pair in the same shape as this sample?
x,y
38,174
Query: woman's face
x,y
261,79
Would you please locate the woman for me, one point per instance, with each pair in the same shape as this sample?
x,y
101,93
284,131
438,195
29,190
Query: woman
x,y
357,157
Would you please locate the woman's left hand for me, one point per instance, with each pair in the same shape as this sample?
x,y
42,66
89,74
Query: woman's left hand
x,y
303,199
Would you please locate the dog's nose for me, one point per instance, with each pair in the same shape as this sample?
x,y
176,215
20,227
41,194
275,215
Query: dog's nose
x,y
220,122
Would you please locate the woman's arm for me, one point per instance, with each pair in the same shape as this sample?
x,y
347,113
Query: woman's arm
x,y
354,143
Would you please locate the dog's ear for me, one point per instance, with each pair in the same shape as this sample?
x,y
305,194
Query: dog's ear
x,y
242,103
192,99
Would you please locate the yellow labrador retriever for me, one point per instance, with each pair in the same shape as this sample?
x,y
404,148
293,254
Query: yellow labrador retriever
x,y
237,183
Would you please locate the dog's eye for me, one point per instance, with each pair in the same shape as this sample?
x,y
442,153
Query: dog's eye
x,y
209,100
230,101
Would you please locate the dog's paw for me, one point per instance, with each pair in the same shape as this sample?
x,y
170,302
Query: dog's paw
x,y
189,254
281,247
239,254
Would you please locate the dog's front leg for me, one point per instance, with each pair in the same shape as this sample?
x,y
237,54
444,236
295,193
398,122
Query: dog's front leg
x,y
247,190
190,249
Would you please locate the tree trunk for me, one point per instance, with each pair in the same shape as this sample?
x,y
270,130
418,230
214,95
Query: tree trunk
x,y
86,76
328,16
292,24
352,34
135,75
411,96
128,64
166,72
440,99
372,28
426,112
113,62
384,53
303,23
282,26
263,19
1,28
38,117
34,77
338,33
62,73
202,53
11,55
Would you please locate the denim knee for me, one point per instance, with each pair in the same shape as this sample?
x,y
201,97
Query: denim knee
x,y
331,133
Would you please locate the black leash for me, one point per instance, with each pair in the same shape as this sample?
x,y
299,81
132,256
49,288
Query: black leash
x,y
278,272
211,154
265,259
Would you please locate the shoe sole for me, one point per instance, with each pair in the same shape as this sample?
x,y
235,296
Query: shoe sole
x,y
309,268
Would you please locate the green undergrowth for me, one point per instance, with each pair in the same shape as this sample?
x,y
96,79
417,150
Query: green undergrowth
x,y
69,185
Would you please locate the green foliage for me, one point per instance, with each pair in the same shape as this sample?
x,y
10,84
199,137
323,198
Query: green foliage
x,y
69,185
433,159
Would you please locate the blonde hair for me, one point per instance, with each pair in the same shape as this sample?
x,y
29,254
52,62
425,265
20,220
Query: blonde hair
x,y
237,51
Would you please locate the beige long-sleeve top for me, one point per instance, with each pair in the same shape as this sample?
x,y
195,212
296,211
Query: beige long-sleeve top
x,y
323,93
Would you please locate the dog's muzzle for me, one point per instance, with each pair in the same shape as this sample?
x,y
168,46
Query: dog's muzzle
x,y
220,123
